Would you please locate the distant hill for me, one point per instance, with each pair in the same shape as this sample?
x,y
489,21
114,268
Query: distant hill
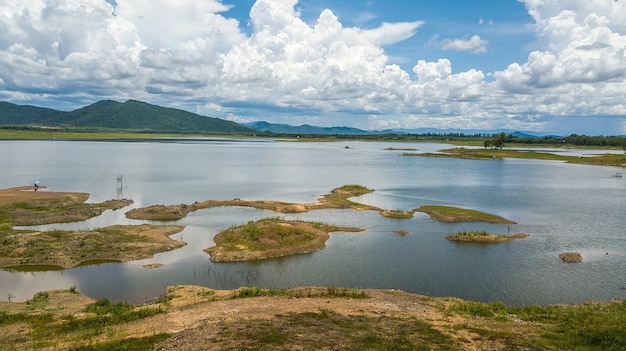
x,y
12,114
130,115
306,129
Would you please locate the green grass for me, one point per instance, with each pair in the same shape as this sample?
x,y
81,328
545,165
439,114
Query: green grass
x,y
455,214
339,198
300,292
589,326
46,330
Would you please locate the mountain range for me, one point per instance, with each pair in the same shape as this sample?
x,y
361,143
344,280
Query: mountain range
x,y
129,115
141,116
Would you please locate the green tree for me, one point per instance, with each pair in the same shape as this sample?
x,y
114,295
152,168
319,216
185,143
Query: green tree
x,y
499,140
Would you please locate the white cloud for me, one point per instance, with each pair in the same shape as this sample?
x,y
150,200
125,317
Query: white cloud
x,y
391,33
189,54
166,24
474,44
581,68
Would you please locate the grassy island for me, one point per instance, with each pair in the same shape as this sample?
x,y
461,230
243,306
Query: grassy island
x,y
24,206
455,214
270,238
484,237
66,248
618,160
338,198
397,214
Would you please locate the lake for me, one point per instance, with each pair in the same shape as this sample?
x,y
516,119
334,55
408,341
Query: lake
x,y
563,207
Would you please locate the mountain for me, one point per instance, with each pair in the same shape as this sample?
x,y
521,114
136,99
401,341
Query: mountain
x,y
12,114
306,129
130,115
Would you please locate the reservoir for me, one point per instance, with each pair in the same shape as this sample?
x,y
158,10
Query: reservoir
x,y
564,207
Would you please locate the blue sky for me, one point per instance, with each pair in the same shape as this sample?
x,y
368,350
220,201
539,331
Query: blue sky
x,y
533,65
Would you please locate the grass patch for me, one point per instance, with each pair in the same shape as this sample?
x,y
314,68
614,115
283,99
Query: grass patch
x,y
589,326
303,331
300,292
455,214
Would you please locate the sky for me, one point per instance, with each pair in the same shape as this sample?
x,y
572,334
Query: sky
x,y
544,66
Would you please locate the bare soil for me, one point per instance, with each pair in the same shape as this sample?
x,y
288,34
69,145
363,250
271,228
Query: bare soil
x,y
198,318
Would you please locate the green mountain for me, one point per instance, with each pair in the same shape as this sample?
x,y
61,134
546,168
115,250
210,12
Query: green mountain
x,y
130,115
12,114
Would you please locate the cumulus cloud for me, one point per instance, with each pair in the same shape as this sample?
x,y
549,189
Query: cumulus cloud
x,y
581,66
190,54
474,44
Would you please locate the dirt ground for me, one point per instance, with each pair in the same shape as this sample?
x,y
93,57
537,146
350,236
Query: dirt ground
x,y
24,193
198,318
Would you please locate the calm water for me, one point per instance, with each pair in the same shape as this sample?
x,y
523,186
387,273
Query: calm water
x,y
564,208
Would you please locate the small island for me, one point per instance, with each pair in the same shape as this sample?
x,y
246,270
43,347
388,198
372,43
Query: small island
x,y
572,257
455,214
484,237
270,238
337,198
607,159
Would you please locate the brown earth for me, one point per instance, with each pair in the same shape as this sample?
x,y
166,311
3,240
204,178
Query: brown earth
x,y
198,318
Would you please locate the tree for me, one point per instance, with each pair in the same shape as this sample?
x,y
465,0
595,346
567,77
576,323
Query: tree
x,y
499,140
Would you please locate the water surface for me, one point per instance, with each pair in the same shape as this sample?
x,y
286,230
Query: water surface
x,y
563,207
